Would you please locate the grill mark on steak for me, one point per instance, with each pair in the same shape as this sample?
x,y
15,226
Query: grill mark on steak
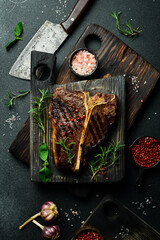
x,y
63,113
88,127
98,131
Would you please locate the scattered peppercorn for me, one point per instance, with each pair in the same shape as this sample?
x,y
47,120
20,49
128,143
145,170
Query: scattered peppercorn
x,y
88,235
146,152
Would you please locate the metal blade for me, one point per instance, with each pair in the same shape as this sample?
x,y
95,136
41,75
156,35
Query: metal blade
x,y
47,39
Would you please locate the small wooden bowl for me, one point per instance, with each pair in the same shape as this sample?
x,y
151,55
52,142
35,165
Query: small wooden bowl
x,y
71,58
87,228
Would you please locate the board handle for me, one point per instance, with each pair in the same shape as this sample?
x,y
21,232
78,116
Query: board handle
x,y
75,14
42,69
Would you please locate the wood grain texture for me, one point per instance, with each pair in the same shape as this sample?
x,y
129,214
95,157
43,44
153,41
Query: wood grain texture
x,y
115,85
115,58
20,147
115,221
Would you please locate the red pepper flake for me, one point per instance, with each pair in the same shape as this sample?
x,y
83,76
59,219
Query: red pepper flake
x,y
68,125
105,172
80,124
77,110
72,120
79,118
106,178
61,124
99,172
88,235
146,152
63,133
70,131
84,116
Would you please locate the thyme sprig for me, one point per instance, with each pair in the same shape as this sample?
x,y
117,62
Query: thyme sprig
x,y
107,158
67,149
12,97
129,31
38,111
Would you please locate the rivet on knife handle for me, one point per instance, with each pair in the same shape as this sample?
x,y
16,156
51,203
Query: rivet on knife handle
x,y
75,14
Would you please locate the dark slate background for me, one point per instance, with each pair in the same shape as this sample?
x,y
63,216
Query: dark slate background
x,y
20,198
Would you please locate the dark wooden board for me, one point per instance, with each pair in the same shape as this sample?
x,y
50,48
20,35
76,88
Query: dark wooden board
x,y
115,58
115,221
114,85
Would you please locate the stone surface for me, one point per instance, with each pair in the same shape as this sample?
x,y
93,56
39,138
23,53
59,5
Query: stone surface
x,y
20,198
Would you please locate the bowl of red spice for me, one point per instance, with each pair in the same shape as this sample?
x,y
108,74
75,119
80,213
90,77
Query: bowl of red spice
x,y
146,151
146,154
88,232
83,62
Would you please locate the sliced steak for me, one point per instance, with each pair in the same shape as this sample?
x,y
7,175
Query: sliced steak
x,y
77,117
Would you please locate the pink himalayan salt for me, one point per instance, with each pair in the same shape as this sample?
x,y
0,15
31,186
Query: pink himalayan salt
x,y
84,62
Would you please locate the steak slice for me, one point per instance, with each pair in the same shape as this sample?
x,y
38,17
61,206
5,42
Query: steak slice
x,y
79,118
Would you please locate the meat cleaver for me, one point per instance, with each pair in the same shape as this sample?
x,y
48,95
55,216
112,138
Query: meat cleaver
x,y
47,39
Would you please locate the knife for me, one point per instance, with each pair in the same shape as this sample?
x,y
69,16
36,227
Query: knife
x,y
47,39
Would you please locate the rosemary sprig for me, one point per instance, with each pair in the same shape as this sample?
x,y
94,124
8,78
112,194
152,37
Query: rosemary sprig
x,y
129,31
66,149
39,109
107,158
12,97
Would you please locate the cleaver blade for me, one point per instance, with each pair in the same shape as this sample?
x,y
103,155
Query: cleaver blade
x,y
48,39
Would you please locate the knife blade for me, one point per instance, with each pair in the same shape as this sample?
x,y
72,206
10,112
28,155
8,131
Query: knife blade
x,y
48,39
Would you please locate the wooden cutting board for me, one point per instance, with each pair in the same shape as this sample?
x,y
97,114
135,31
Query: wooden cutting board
x,y
115,58
115,221
114,85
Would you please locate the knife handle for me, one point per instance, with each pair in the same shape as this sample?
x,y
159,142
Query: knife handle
x,y
75,14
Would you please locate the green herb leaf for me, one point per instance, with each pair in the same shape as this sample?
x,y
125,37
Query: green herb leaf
x,y
107,158
12,97
43,151
66,149
45,174
38,111
129,31
18,30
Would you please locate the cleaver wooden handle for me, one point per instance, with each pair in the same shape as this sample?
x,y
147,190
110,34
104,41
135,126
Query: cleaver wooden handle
x,y
75,14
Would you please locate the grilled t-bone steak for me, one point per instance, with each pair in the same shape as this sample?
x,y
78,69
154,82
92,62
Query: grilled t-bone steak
x,y
77,117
